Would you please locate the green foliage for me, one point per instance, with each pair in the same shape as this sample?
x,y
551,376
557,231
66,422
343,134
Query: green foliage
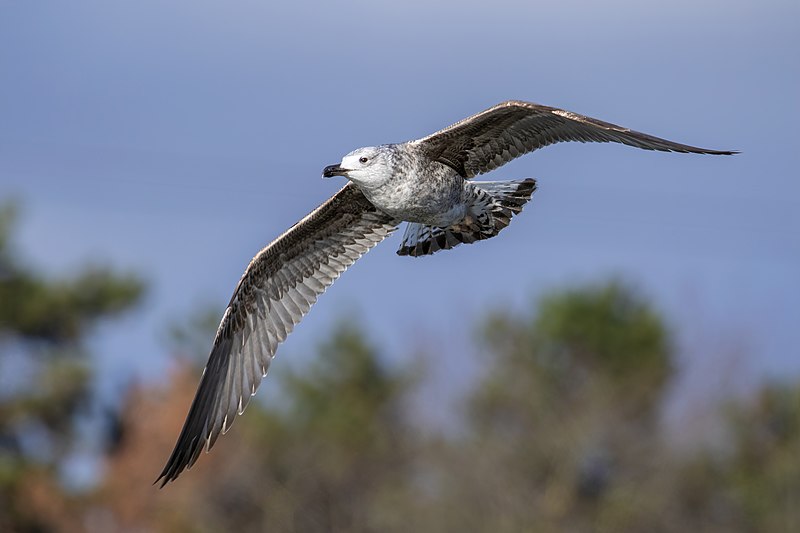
x,y
561,432
61,311
8,214
610,329
346,392
765,477
62,389
584,349
335,457
35,308
566,411
46,321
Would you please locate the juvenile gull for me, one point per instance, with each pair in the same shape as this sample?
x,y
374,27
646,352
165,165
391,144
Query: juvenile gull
x,y
422,182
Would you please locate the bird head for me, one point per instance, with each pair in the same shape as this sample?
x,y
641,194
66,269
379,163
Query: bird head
x,y
370,166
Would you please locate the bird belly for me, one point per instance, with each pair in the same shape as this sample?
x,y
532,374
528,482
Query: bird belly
x,y
430,202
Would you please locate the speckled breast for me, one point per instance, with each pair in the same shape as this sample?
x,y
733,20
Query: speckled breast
x,y
433,195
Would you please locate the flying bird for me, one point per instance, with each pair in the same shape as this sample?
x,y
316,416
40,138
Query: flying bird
x,y
425,183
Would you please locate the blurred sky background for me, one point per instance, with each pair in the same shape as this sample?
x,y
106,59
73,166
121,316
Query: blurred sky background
x,y
176,138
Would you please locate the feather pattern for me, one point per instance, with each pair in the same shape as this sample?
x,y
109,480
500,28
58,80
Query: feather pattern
x,y
492,204
278,288
421,182
494,137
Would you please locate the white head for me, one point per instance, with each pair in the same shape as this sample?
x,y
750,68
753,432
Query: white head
x,y
370,166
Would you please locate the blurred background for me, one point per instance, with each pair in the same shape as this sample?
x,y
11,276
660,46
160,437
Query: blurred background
x,y
624,357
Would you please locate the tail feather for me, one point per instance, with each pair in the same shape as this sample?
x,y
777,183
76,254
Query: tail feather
x,y
493,206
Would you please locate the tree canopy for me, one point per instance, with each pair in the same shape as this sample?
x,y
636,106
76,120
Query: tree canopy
x,y
560,431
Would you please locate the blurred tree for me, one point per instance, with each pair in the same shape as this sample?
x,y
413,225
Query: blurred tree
x,y
560,433
754,485
765,478
335,454
333,457
562,428
43,324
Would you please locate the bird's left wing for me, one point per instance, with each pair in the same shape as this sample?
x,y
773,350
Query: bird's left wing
x,y
279,286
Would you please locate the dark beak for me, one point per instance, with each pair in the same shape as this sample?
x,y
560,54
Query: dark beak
x,y
334,170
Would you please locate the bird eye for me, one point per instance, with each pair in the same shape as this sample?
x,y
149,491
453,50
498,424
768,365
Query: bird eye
x,y
363,160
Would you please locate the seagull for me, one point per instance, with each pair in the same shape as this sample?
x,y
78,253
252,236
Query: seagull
x,y
425,183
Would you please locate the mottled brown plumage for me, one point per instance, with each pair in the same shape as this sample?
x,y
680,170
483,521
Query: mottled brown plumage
x,y
422,182
491,138
279,286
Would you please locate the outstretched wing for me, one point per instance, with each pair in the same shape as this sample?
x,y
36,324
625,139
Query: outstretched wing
x,y
279,286
508,130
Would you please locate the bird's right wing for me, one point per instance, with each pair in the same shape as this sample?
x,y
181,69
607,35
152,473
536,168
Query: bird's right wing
x,y
279,286
494,137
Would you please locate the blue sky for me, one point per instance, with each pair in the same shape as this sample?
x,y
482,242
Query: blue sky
x,y
176,138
